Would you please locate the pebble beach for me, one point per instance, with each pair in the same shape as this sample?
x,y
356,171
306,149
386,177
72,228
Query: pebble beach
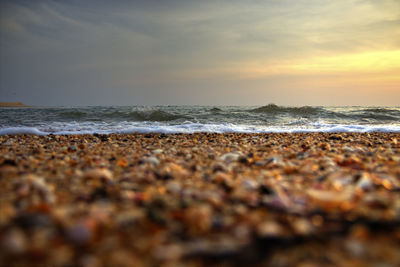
x,y
202,199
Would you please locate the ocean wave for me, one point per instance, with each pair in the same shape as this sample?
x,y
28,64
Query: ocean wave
x,y
377,114
187,119
133,115
382,110
215,110
73,114
149,115
273,109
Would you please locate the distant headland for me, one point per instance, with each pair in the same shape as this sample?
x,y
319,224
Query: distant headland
x,y
13,105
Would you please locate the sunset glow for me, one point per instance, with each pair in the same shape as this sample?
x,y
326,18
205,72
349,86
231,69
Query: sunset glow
x,y
186,52
374,61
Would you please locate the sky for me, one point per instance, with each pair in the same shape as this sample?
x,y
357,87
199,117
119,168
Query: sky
x,y
182,52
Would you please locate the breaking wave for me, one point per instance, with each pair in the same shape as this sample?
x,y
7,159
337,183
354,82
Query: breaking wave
x,y
133,115
188,119
272,108
215,110
377,114
150,115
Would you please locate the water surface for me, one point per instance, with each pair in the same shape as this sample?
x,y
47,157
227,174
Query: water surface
x,y
190,119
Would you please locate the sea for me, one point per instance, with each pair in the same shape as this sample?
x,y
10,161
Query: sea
x,y
191,119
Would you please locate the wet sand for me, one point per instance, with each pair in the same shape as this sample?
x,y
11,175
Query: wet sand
x,y
315,199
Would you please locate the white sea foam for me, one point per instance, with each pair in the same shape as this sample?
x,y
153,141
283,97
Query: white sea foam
x,y
195,127
21,130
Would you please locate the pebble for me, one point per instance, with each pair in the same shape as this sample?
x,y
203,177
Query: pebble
x,y
270,228
32,186
98,174
79,233
198,219
365,183
168,253
230,157
157,151
250,184
14,242
152,160
198,199
329,199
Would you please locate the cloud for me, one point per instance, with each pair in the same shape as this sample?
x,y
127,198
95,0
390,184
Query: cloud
x,y
58,50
